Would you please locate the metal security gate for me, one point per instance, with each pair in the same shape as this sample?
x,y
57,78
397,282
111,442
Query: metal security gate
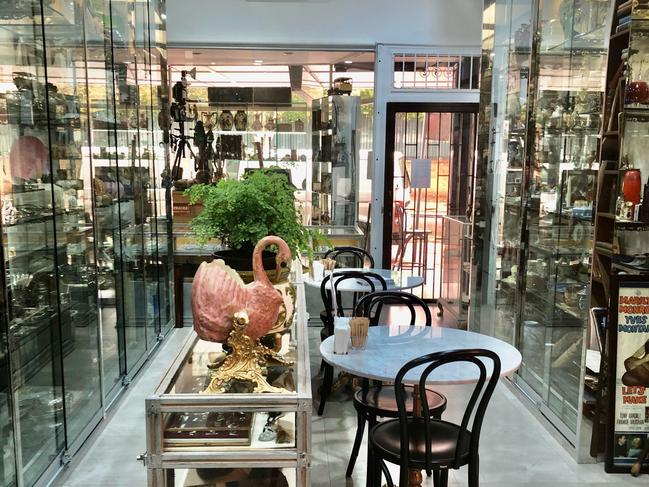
x,y
428,174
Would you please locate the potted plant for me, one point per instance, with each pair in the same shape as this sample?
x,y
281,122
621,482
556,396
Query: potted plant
x,y
241,212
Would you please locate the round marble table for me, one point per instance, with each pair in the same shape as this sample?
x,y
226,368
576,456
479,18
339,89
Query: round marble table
x,y
388,348
394,280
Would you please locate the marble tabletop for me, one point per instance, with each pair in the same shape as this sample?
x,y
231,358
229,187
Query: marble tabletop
x,y
388,348
394,280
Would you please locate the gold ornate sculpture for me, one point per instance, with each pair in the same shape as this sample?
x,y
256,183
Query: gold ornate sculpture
x,y
245,362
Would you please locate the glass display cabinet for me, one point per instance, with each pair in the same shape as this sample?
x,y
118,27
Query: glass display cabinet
x,y
455,285
335,167
195,436
543,78
78,237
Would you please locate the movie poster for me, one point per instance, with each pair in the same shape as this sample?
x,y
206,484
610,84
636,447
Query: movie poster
x,y
631,413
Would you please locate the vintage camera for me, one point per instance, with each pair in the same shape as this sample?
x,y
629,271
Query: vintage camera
x,y
178,109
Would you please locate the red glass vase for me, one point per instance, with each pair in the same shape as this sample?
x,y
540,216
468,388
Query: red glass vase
x,y
637,92
632,186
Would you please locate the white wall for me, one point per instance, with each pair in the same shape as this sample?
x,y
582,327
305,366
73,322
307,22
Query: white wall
x,y
323,22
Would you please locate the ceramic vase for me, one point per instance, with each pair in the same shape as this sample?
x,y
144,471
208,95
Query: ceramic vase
x,y
241,120
226,120
257,126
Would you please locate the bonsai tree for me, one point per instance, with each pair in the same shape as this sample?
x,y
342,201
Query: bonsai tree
x,y
241,212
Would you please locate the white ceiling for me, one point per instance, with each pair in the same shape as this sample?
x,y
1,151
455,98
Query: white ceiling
x,y
250,68
238,57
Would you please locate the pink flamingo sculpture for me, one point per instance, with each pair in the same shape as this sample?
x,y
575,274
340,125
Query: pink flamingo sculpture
x,y
218,292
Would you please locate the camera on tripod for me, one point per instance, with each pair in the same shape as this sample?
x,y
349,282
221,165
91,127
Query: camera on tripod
x,y
178,109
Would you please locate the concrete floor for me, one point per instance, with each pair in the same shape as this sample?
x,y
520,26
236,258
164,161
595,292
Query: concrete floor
x,y
516,450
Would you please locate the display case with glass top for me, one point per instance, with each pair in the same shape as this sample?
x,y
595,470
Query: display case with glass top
x,y
193,432
545,66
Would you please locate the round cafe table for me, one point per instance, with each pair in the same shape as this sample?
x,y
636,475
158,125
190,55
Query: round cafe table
x,y
394,280
389,348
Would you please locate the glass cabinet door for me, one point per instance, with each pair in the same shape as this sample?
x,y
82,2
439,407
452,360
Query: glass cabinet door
x,y
7,452
500,177
103,154
159,161
151,297
129,183
71,180
30,247
570,57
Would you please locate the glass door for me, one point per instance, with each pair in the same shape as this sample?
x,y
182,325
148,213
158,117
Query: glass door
x,y
71,184
103,154
151,296
7,452
30,248
130,179
159,162
569,69
429,174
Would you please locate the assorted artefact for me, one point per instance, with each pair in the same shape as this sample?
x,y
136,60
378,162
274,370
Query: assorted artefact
x,y
228,311
218,293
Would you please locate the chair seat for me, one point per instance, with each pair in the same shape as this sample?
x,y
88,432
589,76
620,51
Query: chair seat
x,y
385,439
381,401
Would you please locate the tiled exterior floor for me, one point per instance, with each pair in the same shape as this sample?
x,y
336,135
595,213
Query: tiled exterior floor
x,y
516,450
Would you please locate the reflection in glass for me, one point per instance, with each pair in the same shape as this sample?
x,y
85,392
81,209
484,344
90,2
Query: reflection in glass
x,y
30,248
73,216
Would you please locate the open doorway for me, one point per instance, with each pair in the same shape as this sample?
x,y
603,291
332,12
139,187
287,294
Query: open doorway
x,y
428,175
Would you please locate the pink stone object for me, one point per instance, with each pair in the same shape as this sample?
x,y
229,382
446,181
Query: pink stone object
x,y
218,292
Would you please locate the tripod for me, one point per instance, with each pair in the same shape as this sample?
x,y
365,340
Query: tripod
x,y
180,142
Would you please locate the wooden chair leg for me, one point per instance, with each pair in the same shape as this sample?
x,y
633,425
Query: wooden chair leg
x,y
360,429
325,390
474,469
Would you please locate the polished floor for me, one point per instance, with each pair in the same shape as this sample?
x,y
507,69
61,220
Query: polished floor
x,y
516,450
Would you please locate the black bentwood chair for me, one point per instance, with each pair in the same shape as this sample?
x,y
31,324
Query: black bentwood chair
x,y
344,255
379,401
425,443
372,281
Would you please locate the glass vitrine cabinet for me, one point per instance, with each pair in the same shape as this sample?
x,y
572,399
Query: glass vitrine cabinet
x,y
73,199
195,435
543,68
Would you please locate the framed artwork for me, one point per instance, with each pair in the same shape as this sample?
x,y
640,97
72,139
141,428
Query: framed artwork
x,y
628,382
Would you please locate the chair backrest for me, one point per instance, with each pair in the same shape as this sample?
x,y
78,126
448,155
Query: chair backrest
x,y
371,279
476,406
356,254
372,304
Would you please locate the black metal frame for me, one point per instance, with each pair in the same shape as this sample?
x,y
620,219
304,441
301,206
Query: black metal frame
x,y
330,313
480,396
388,196
372,304
355,252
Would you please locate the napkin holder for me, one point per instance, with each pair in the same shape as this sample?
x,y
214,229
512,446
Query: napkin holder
x,y
342,335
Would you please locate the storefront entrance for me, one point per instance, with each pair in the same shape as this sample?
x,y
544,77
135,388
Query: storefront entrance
x,y
428,175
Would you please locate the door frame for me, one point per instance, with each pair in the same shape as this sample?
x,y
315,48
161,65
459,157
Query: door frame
x,y
390,130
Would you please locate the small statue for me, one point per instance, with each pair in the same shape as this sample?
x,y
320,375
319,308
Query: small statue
x,y
245,362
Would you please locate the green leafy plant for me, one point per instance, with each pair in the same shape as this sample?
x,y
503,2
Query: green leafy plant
x,y
241,212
